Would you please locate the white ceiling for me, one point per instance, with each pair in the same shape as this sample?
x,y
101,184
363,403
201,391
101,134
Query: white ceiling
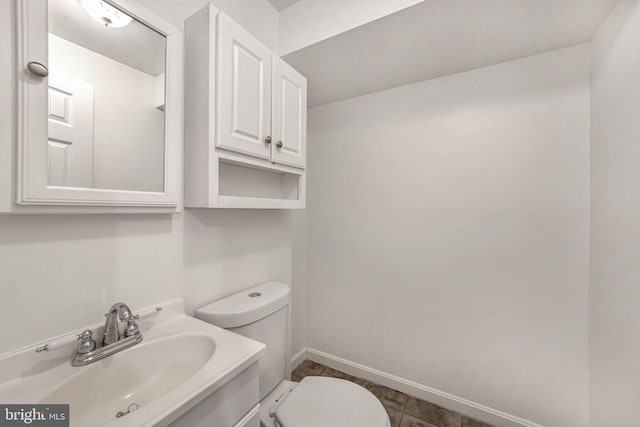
x,y
282,4
135,45
442,37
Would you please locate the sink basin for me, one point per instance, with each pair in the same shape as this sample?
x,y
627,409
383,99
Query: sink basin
x,y
132,378
181,361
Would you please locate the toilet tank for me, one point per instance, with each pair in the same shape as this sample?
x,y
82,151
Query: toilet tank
x,y
259,313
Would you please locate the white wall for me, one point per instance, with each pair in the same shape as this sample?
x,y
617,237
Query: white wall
x,y
615,219
299,275
312,21
62,272
258,17
128,129
448,231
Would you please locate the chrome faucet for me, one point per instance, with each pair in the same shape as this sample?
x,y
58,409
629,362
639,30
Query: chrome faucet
x,y
120,331
115,327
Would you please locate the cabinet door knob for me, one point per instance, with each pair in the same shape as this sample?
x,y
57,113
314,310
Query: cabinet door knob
x,y
279,144
38,69
267,140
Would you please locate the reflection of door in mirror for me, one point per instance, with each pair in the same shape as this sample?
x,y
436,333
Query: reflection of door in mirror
x,y
70,131
106,98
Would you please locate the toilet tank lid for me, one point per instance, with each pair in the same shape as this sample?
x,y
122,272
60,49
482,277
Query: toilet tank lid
x,y
247,306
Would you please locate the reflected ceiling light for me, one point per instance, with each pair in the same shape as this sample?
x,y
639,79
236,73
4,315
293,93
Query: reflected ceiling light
x,y
106,14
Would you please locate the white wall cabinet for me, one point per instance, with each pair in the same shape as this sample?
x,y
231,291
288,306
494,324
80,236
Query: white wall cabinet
x,y
245,119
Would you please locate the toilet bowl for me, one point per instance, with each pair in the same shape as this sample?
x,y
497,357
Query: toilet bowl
x,y
261,313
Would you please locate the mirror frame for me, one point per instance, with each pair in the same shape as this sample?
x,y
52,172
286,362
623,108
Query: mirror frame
x,y
32,128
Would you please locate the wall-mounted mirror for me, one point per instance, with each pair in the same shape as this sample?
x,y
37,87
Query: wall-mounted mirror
x,y
106,98
106,75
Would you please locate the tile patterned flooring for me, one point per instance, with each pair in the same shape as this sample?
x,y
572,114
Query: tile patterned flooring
x,y
403,410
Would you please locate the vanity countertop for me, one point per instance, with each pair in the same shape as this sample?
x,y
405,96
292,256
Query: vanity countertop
x,y
181,361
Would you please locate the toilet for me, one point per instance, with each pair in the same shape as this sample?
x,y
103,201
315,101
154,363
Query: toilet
x,y
261,313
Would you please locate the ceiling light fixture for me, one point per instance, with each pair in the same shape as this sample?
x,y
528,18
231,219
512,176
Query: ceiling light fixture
x,y
106,14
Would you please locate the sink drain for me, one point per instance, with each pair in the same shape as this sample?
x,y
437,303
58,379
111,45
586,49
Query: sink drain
x,y
130,409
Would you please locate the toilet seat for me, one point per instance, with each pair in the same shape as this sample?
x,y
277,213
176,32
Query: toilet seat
x,y
330,402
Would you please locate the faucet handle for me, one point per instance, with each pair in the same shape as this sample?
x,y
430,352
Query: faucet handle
x,y
132,327
87,344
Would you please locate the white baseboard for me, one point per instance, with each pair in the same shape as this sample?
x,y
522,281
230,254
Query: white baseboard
x,y
298,358
446,400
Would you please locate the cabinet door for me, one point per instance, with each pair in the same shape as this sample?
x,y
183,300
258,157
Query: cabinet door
x,y
289,115
244,91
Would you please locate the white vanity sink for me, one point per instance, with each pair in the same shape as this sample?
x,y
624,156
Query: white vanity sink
x,y
180,362
138,376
